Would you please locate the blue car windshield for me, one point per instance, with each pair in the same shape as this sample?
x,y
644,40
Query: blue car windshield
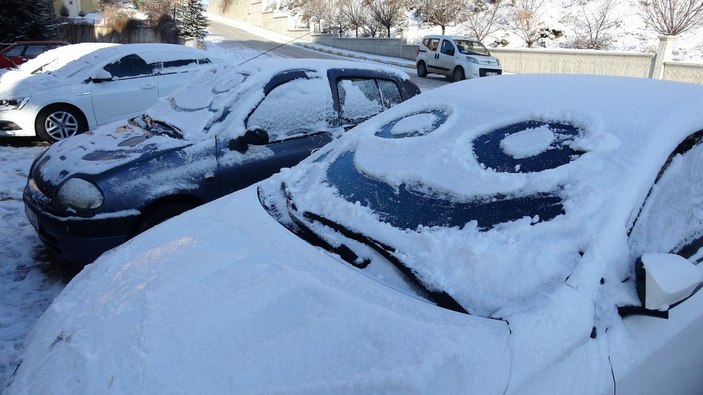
x,y
406,207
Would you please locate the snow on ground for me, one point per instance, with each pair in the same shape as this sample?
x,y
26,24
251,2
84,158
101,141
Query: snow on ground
x,y
29,281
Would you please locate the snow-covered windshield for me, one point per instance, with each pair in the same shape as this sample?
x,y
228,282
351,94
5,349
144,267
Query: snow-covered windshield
x,y
492,200
55,59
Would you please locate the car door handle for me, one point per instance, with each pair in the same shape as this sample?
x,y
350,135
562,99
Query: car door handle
x,y
149,85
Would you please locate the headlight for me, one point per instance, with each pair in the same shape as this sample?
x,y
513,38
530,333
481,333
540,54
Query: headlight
x,y
13,104
498,61
79,195
472,60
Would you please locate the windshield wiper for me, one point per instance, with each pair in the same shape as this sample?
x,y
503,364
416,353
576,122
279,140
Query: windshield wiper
x,y
440,298
161,128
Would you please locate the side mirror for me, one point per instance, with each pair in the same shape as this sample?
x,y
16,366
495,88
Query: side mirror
x,y
101,75
251,137
665,279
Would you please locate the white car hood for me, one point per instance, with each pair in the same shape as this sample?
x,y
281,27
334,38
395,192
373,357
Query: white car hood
x,y
17,83
241,305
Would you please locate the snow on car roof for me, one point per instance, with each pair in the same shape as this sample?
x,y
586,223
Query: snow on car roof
x,y
599,144
151,53
58,57
199,109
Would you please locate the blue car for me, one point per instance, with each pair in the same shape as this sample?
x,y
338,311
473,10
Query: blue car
x,y
228,129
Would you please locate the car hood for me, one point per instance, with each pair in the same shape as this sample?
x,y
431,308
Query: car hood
x,y
241,305
97,151
17,83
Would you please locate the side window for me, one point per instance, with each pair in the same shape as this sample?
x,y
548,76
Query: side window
x,y
16,51
34,50
431,43
447,48
172,66
390,93
129,66
294,108
359,99
671,219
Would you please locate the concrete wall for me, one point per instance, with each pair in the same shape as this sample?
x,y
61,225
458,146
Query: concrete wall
x,y
575,61
392,47
685,72
79,33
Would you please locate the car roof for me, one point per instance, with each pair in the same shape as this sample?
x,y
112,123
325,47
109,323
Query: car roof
x,y
221,86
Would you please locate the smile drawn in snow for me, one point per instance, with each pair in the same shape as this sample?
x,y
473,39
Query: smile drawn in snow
x,y
527,147
413,125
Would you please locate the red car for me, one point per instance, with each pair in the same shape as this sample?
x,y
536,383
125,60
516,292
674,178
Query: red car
x,y
21,51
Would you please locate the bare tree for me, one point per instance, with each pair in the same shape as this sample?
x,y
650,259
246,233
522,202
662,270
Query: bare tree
x,y
592,22
481,18
441,12
387,13
526,20
672,17
317,11
352,14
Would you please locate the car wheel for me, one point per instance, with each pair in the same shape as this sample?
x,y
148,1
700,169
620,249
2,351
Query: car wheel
x,y
58,122
421,69
159,214
458,74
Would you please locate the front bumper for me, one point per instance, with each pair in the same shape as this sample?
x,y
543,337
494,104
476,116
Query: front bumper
x,y
17,123
78,241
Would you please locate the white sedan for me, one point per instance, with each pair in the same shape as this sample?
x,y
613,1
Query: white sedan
x,y
74,88
541,235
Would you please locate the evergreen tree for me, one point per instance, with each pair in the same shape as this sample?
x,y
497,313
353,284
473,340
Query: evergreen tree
x,y
193,22
30,20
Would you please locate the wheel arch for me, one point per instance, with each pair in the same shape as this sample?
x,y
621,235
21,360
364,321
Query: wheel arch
x,y
153,206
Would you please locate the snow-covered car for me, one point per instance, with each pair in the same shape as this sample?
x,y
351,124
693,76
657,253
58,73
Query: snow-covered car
x,y
231,127
456,57
74,88
549,245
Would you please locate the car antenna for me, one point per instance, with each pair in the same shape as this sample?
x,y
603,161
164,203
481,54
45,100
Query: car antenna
x,y
274,48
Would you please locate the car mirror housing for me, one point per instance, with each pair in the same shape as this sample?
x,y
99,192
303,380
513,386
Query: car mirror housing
x,y
251,137
101,75
665,279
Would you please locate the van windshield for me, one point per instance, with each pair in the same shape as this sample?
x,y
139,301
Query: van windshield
x,y
470,47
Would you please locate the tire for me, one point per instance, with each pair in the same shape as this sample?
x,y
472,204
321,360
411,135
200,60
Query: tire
x,y
58,122
421,69
458,74
159,214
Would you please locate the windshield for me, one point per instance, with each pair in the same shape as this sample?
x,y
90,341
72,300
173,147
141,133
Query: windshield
x,y
471,47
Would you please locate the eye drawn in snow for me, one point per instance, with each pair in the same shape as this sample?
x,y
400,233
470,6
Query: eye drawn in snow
x,y
227,84
198,98
527,147
413,125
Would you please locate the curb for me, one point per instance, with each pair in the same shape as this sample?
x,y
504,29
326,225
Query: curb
x,y
356,56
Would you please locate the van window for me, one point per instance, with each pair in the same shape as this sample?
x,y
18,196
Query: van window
x,y
447,48
431,43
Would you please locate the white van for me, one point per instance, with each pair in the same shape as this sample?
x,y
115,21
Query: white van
x,y
455,57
